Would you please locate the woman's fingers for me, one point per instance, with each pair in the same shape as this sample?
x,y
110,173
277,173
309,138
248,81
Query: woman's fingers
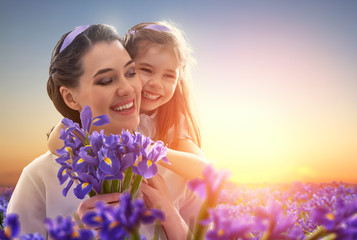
x,y
89,204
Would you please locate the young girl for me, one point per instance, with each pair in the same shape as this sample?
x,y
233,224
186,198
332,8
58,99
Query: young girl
x,y
162,57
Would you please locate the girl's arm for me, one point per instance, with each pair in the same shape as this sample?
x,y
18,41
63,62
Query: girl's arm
x,y
53,141
187,164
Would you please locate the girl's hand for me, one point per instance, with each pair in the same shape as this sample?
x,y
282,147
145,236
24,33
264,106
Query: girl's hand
x,y
53,141
156,195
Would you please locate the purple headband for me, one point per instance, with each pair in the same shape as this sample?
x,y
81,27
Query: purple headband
x,y
72,35
155,27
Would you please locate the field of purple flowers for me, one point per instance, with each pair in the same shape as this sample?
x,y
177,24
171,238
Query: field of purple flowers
x,y
277,211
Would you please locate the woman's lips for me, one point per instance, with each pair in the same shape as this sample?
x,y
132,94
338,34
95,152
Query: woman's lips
x,y
125,107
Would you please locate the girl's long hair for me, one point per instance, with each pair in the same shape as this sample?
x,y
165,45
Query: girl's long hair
x,y
178,109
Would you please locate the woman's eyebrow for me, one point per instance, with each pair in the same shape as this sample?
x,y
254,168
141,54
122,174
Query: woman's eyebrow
x,y
102,71
129,62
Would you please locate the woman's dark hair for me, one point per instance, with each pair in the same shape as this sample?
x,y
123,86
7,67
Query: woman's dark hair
x,y
66,66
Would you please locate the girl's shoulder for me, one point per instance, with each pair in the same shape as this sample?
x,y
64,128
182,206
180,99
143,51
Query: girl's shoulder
x,y
147,125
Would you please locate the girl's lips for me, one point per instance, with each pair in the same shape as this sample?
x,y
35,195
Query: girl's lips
x,y
125,107
150,96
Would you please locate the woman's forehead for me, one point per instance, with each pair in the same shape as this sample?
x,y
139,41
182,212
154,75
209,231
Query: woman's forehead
x,y
105,55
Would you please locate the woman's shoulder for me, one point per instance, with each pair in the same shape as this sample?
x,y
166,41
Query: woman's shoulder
x,y
42,163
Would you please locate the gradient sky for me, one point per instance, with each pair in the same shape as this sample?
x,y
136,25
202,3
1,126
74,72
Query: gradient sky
x,y
275,83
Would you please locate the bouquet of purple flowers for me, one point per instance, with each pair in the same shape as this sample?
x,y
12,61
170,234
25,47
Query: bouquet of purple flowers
x,y
104,164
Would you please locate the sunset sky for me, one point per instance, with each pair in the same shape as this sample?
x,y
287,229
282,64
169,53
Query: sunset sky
x,y
275,83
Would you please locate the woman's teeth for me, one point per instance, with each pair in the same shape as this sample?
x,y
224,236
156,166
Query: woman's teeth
x,y
123,107
150,96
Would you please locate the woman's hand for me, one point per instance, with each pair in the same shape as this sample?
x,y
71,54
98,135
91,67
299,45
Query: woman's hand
x,y
89,204
156,195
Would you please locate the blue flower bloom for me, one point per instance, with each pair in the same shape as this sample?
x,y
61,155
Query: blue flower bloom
x,y
210,185
147,166
31,236
122,221
342,221
12,227
276,224
225,228
93,158
63,229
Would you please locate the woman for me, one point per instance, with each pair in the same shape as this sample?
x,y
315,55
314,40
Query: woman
x,y
89,66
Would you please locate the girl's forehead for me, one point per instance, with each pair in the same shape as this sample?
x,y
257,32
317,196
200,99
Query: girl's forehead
x,y
147,47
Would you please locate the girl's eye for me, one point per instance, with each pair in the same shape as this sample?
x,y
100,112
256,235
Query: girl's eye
x,y
145,70
105,81
131,73
169,76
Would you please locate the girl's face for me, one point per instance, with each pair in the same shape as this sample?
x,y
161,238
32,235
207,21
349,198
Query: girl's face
x,y
109,85
158,69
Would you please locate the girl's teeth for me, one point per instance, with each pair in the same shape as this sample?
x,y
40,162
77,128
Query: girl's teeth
x,y
126,106
150,96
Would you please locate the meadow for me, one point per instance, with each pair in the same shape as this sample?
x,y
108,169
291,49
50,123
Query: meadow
x,y
277,211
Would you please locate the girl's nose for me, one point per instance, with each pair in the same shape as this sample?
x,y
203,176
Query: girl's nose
x,y
155,81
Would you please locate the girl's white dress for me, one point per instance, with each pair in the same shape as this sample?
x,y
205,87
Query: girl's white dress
x,y
38,195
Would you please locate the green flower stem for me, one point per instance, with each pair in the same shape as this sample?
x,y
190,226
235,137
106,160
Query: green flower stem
x,y
317,234
135,186
107,186
92,193
200,230
78,220
135,235
115,185
191,228
210,203
127,179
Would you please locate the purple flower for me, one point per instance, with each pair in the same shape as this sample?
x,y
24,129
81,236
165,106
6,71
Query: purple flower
x,y
63,229
210,185
229,228
147,166
276,225
93,159
342,221
3,207
12,227
122,221
31,236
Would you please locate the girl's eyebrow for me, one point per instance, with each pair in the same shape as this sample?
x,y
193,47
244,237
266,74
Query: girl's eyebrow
x,y
145,64
149,65
111,69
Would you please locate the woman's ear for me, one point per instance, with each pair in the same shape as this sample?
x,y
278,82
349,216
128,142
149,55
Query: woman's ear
x,y
69,98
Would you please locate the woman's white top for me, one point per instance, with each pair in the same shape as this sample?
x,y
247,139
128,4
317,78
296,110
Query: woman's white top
x,y
38,195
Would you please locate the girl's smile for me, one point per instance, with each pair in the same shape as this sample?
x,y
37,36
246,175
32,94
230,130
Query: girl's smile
x,y
158,68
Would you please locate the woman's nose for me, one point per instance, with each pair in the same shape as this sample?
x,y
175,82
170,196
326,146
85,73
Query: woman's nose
x,y
124,87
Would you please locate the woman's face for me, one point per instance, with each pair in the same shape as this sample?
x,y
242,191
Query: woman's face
x,y
109,85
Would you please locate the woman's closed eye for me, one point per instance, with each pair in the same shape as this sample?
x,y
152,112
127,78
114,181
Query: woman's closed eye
x,y
130,73
105,81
